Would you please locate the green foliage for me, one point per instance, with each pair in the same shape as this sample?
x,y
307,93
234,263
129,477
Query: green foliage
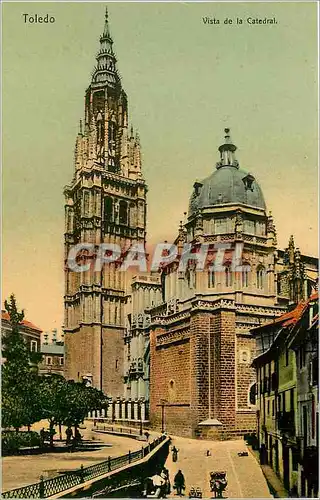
x,y
67,402
15,351
12,441
28,398
80,400
20,402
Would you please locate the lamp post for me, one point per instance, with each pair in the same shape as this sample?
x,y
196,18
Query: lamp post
x,y
140,405
163,403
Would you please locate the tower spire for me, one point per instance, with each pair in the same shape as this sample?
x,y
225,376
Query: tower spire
x,y
105,70
227,152
106,31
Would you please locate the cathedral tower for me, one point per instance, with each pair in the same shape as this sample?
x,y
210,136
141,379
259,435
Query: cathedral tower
x,y
105,203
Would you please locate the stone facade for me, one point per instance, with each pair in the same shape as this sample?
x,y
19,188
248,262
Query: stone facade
x,y
52,358
201,345
105,203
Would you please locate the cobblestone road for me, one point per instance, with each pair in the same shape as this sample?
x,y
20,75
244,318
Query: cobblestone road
x,y
244,476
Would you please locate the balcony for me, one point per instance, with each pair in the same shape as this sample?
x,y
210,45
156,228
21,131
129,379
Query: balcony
x,y
285,422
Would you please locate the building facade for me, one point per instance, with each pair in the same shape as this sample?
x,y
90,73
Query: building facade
x,y
287,397
104,204
30,332
304,342
52,351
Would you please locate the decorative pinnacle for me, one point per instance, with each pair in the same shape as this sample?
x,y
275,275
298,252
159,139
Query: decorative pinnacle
x,y
106,32
227,136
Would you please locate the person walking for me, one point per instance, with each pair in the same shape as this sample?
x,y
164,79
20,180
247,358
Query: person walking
x,y
42,437
69,435
179,483
174,454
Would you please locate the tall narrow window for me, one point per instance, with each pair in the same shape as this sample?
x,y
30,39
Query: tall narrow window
x,y
123,212
245,276
33,346
108,208
86,202
211,278
260,277
228,276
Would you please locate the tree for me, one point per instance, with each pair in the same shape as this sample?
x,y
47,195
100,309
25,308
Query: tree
x,y
52,396
81,400
20,405
67,402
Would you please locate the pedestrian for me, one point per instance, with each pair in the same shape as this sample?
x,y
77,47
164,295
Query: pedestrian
x,y
42,437
69,435
159,484
179,483
165,474
77,436
174,454
147,435
208,453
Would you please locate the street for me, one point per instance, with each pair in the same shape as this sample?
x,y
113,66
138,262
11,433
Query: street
x,y
244,476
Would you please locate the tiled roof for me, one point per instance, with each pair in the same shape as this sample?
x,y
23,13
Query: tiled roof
x,y
5,317
291,317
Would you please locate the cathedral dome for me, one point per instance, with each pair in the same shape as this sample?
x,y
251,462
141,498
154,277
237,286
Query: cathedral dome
x,y
228,184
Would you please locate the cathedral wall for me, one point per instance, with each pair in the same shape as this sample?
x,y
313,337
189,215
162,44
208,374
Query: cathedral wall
x,y
245,422
199,355
170,367
246,375
112,362
82,354
227,369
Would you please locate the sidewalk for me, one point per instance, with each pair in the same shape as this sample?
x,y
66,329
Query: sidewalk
x,y
275,484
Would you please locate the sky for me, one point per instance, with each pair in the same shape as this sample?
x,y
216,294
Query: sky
x,y
186,81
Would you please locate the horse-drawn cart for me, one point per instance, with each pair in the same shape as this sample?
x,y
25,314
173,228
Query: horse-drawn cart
x,y
218,483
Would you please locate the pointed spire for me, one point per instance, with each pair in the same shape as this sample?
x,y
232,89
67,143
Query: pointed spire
x,y
106,31
106,71
227,152
291,249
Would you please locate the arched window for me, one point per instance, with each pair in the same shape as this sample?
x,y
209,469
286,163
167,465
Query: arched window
x,y
260,277
108,209
123,212
252,394
245,276
211,278
228,276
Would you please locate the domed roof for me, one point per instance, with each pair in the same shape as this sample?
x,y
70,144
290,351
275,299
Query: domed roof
x,y
227,184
